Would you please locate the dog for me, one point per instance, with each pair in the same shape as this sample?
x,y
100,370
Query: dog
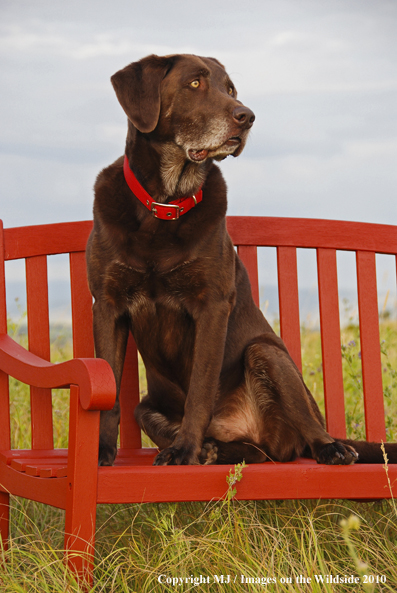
x,y
222,386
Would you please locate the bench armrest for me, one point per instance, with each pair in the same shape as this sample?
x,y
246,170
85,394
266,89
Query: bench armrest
x,y
93,376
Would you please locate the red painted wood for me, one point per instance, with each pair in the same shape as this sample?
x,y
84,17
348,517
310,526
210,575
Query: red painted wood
x,y
331,342
81,492
47,491
143,456
38,462
245,230
370,346
3,303
289,302
93,375
83,339
55,470
5,442
24,456
130,433
20,464
39,344
4,518
301,479
303,232
249,257
5,436
46,239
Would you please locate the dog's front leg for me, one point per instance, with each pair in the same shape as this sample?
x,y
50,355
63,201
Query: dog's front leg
x,y
110,337
211,328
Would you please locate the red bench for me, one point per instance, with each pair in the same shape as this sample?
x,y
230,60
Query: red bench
x,y
70,479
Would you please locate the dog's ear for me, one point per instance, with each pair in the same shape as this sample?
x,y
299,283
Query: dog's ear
x,y
137,87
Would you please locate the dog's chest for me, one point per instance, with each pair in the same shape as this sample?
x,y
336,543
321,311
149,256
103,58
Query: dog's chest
x,y
161,307
142,290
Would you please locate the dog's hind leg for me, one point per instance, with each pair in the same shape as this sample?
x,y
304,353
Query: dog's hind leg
x,y
291,418
160,428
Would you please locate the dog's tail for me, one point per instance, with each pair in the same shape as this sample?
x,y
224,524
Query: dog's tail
x,y
372,452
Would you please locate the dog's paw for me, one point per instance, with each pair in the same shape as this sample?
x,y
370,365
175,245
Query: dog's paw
x,y
209,452
107,454
337,453
176,456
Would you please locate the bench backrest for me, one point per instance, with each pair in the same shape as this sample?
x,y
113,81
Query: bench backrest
x,y
35,243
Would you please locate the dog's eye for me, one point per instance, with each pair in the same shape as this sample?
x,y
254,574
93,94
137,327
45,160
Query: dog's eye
x,y
231,90
195,84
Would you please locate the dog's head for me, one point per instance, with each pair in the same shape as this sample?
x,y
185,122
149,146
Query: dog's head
x,y
185,100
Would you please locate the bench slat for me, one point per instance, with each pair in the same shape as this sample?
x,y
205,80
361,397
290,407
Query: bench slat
x,y
130,433
370,346
331,342
249,257
55,470
289,302
5,434
311,233
83,340
46,239
30,456
39,344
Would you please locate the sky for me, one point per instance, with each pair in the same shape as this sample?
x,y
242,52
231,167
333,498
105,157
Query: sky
x,y
320,75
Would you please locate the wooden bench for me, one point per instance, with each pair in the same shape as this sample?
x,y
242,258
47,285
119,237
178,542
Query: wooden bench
x,y
70,479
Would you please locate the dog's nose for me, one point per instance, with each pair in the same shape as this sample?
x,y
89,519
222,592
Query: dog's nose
x,y
243,116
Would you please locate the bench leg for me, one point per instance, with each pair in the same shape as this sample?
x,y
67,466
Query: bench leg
x,y
80,545
4,519
81,495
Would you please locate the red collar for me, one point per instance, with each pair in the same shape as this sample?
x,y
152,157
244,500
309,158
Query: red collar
x,y
170,211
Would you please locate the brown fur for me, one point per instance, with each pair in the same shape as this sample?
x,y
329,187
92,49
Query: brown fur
x,y
221,385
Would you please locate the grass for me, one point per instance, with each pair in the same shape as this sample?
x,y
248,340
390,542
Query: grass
x,y
227,545
240,540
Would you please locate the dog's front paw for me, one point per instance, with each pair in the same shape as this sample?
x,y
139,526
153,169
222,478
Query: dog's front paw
x,y
176,456
107,454
337,453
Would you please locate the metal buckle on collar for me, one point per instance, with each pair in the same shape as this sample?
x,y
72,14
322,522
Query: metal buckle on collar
x,y
156,205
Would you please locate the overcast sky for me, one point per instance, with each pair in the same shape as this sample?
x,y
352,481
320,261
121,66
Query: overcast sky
x,y
320,75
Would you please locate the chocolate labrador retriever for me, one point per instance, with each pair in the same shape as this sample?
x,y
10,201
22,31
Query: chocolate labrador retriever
x,y
221,384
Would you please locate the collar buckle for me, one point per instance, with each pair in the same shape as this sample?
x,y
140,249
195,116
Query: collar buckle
x,y
165,211
170,211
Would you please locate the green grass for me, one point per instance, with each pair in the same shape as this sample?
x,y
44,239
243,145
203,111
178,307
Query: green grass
x,y
278,540
275,540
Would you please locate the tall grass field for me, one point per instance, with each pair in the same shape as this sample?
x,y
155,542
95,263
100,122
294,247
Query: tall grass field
x,y
228,545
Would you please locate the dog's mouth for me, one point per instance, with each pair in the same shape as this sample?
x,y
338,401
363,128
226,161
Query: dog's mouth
x,y
198,155
226,148
233,141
